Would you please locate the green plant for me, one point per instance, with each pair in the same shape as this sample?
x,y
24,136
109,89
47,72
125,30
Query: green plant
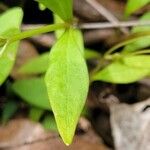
x,y
134,5
67,78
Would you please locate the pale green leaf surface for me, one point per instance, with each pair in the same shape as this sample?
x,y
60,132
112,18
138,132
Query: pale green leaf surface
x,y
10,19
78,39
33,91
37,65
10,23
141,61
59,32
133,5
63,8
118,72
77,35
7,58
141,42
67,83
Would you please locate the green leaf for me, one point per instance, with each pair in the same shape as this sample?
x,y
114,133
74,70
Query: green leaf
x,y
42,7
37,65
67,83
10,19
133,5
142,42
10,23
7,58
8,111
58,33
63,8
118,72
33,91
32,66
2,41
49,123
91,54
140,61
35,113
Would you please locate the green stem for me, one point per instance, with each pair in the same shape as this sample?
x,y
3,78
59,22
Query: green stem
x,y
97,68
130,39
34,32
146,51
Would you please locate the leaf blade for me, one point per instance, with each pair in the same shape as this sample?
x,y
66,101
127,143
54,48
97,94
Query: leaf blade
x,y
120,73
61,8
10,22
33,91
140,61
66,71
142,42
134,5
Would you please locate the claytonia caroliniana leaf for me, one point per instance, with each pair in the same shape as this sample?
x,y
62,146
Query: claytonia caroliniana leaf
x,y
133,5
10,22
119,72
67,83
63,8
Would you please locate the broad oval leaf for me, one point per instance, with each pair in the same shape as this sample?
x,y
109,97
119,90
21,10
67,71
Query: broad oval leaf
x,y
33,91
63,8
140,61
118,72
10,23
133,5
67,83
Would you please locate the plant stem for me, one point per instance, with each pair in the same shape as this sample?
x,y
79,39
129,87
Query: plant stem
x,y
130,39
146,51
34,32
97,68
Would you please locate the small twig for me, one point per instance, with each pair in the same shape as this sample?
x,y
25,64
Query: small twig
x,y
108,15
98,25
112,25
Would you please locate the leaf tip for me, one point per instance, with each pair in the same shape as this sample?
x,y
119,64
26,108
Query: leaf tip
x,y
67,144
67,141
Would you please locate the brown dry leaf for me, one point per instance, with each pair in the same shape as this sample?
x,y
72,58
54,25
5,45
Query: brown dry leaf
x,y
25,135
131,126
